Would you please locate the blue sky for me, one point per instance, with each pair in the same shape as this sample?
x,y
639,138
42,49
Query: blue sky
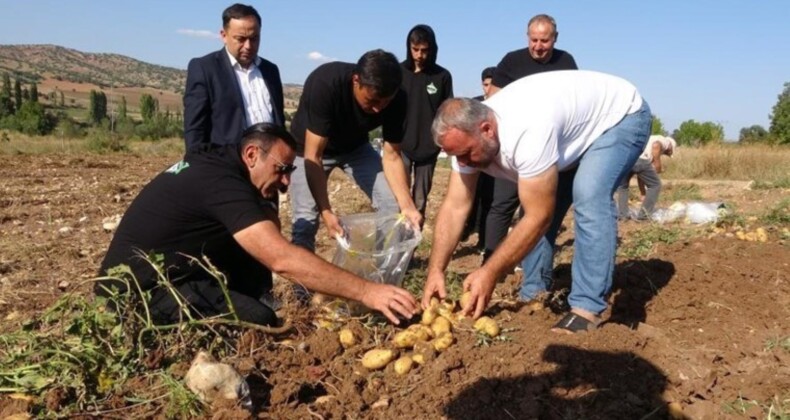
x,y
724,61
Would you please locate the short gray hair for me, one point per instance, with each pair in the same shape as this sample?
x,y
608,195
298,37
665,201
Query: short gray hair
x,y
543,18
463,114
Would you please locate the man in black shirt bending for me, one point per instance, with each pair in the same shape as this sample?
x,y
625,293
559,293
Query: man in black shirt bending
x,y
340,104
217,203
539,56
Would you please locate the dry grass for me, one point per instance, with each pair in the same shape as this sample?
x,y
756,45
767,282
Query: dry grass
x,y
20,144
733,162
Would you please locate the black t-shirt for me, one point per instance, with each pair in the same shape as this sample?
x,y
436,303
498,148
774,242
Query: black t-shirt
x,y
328,108
192,208
519,63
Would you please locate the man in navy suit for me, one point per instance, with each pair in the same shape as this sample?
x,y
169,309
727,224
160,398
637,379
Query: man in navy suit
x,y
231,89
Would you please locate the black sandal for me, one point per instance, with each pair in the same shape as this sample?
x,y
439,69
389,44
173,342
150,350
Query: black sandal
x,y
574,323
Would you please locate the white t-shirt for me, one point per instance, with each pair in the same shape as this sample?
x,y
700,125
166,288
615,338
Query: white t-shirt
x,y
553,117
665,142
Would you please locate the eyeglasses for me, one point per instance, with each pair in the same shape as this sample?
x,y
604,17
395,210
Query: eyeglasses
x,y
282,169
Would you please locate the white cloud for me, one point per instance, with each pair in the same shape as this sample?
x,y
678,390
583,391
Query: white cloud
x,y
317,56
198,33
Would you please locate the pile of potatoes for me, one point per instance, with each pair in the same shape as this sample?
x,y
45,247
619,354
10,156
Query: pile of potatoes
x,y
421,342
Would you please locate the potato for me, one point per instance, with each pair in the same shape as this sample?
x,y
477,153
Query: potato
x,y
418,358
377,358
434,303
422,332
487,325
761,235
465,299
347,338
442,342
405,339
428,316
441,325
403,365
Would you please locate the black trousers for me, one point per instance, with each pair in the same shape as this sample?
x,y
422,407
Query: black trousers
x,y
484,195
503,205
420,175
205,299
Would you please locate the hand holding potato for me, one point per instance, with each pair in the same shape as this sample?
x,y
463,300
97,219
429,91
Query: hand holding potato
x,y
434,287
480,285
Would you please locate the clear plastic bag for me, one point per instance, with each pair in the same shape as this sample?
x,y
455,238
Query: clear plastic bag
x,y
376,247
693,212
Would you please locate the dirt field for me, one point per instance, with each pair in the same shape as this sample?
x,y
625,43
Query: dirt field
x,y
698,323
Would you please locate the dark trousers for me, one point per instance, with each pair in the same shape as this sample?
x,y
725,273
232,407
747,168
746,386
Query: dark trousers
x,y
503,205
484,194
205,299
420,176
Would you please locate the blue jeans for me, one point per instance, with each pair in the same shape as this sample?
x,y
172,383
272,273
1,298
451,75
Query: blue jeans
x,y
590,186
363,165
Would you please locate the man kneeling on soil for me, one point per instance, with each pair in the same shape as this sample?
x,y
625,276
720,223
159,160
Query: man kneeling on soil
x,y
217,203
566,137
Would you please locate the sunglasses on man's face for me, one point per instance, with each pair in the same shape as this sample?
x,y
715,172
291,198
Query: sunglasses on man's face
x,y
281,168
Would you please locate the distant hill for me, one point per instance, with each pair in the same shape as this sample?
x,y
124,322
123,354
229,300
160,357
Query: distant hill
x,y
76,73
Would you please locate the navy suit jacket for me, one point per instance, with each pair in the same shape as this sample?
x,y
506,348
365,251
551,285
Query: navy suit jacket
x,y
213,107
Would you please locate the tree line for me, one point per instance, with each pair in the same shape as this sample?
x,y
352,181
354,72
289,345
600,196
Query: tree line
x,y
20,110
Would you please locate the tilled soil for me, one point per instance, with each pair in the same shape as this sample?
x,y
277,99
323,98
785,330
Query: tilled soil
x,y
695,325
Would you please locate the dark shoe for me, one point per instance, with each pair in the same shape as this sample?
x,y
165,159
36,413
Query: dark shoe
x,y
572,324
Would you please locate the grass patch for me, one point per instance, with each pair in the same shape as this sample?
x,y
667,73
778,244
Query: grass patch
x,y
743,162
681,192
775,409
779,215
778,343
81,349
783,183
643,242
414,282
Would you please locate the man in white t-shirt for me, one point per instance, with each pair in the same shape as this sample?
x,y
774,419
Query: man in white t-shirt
x,y
646,170
566,137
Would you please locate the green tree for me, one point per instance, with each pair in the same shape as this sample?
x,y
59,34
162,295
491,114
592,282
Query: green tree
x,y
34,92
31,119
780,117
6,85
122,109
6,105
148,107
753,134
97,108
17,93
657,127
693,133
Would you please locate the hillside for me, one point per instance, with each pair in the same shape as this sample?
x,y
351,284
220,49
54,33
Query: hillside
x,y
76,73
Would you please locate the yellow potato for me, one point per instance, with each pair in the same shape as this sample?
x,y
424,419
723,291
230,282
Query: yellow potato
x,y
441,325
442,342
434,303
487,325
761,235
377,358
418,358
428,316
347,338
422,332
405,339
403,365
465,299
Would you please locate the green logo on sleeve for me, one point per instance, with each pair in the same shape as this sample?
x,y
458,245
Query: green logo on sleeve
x,y
177,167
